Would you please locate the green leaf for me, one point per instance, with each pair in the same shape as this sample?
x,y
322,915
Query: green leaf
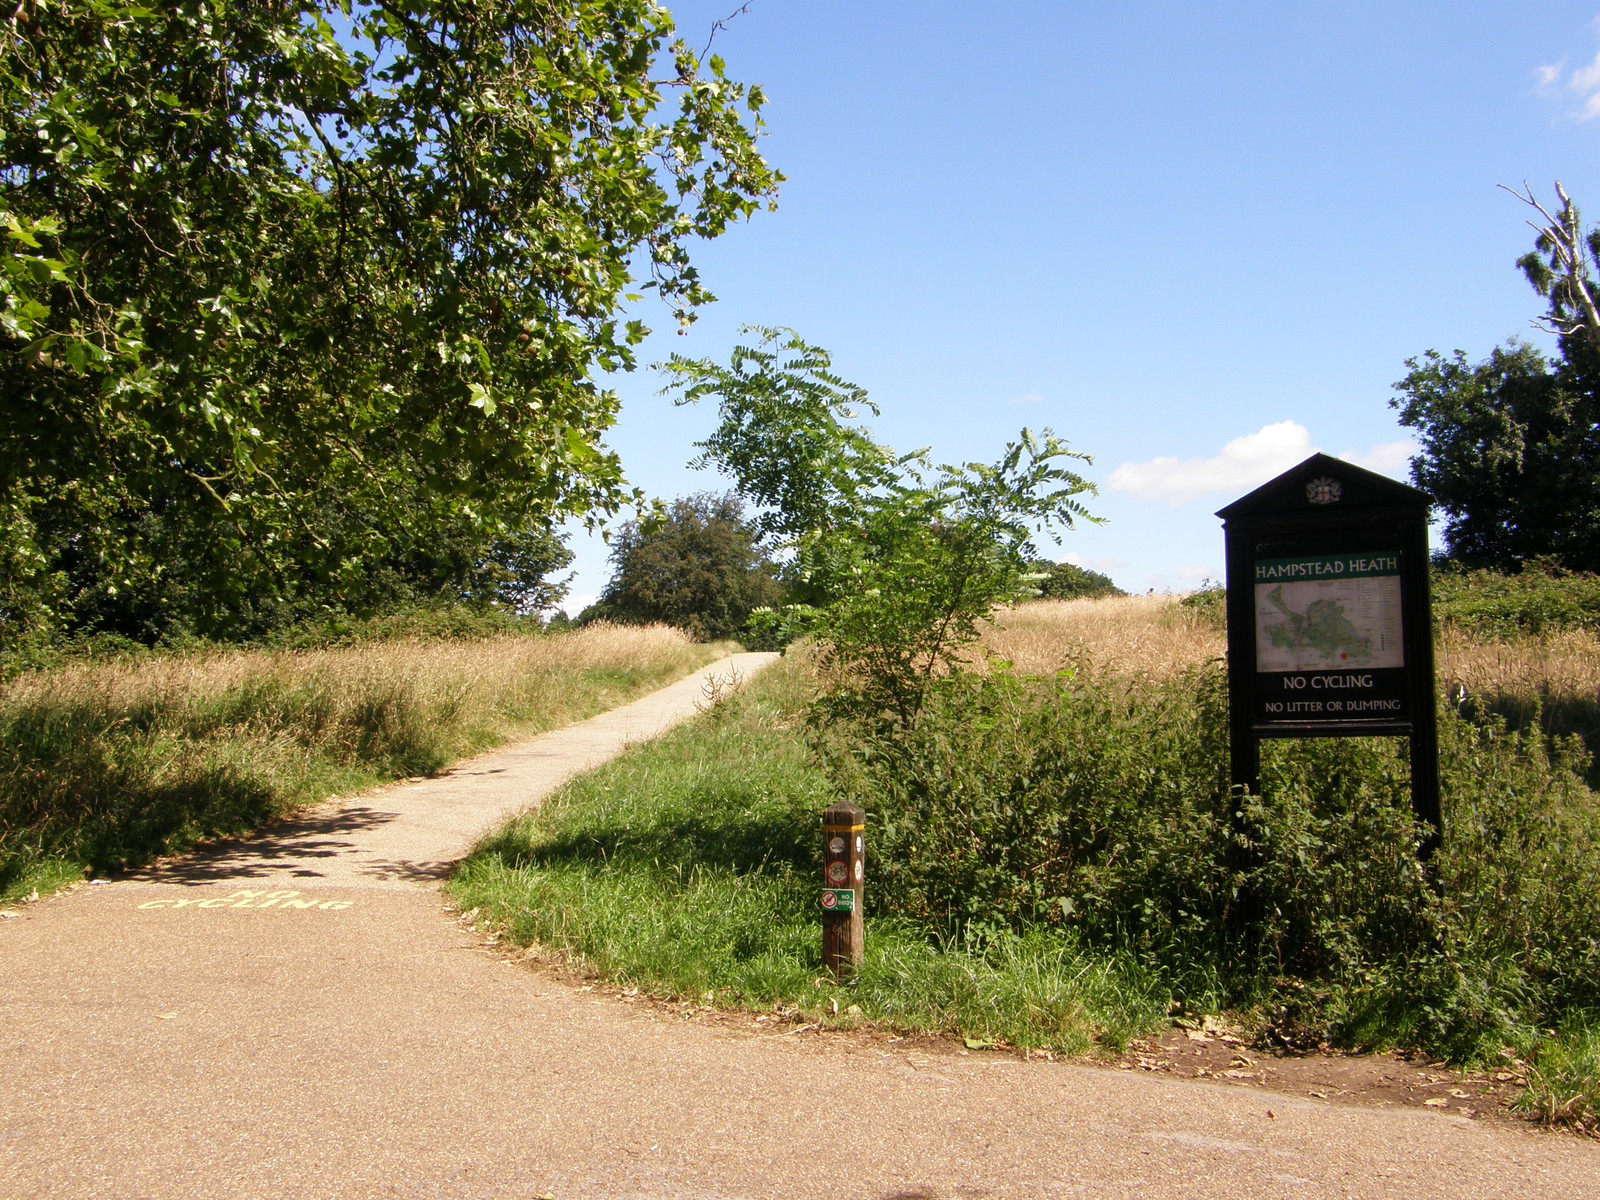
x,y
256,260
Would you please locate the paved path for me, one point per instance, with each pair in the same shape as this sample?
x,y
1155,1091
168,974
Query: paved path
x,y
302,1018
400,836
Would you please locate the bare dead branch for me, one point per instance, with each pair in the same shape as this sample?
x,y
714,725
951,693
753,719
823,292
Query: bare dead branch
x,y
1562,238
718,26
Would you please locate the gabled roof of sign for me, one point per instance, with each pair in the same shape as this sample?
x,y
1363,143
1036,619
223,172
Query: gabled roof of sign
x,y
1359,488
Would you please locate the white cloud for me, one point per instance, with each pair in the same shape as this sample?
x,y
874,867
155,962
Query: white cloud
x,y
1030,398
1581,84
1386,458
1244,463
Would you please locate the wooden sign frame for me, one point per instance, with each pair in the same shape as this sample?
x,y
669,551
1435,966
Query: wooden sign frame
x,y
1330,621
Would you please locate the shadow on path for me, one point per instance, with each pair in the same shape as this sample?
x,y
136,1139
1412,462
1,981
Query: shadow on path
x,y
284,847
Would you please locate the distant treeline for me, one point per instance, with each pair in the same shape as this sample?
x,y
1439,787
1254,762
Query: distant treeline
x,y
1065,581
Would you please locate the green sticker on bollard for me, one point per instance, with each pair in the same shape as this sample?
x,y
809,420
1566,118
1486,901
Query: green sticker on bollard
x,y
838,900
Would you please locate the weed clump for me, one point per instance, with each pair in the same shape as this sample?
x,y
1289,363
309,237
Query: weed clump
x,y
1101,807
1540,598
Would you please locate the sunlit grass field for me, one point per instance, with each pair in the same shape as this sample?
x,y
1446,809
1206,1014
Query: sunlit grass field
x,y
104,764
1142,637
1158,637
689,867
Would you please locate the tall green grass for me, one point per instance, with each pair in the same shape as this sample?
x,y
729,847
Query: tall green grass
x,y
1102,806
106,764
1054,861
691,868
1563,1085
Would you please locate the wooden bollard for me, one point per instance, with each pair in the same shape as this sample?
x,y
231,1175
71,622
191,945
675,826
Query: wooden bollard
x,y
843,887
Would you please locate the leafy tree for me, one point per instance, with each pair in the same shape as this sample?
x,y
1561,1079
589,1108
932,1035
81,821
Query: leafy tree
x,y
903,559
1510,447
292,293
1066,581
1510,451
784,433
700,567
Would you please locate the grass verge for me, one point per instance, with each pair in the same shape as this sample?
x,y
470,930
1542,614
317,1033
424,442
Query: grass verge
x,y
1563,1078
105,765
1051,870
688,868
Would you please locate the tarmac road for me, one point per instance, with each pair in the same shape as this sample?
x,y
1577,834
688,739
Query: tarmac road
x,y
299,1016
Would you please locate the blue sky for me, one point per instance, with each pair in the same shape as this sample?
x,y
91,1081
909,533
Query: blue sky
x,y
1197,241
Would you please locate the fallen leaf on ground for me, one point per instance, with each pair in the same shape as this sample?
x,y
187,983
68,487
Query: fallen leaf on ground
x,y
1437,1102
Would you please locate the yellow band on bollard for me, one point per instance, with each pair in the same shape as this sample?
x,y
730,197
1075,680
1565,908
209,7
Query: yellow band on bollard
x,y
843,828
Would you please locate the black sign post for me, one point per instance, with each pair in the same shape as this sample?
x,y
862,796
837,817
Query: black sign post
x,y
1330,629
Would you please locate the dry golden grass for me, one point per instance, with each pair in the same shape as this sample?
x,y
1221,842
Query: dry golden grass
x,y
109,764
1142,637
529,681
1560,665
1153,637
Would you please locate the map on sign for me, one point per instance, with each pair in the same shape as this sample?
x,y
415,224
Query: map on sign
x,y
1333,611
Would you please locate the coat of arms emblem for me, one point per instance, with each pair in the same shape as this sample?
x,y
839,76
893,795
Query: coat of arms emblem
x,y
1324,490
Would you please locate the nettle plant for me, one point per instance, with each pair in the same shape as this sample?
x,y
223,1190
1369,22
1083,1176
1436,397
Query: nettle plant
x,y
895,562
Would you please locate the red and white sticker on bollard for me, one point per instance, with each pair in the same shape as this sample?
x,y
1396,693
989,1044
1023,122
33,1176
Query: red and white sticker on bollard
x,y
838,899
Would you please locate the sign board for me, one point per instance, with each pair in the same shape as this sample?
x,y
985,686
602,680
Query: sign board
x,y
1330,630
1329,638
839,900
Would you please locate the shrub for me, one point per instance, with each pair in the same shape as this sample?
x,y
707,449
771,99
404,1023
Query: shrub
x,y
1210,602
702,568
1541,597
1066,581
1103,807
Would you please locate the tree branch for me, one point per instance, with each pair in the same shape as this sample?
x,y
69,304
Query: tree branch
x,y
718,26
1563,237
